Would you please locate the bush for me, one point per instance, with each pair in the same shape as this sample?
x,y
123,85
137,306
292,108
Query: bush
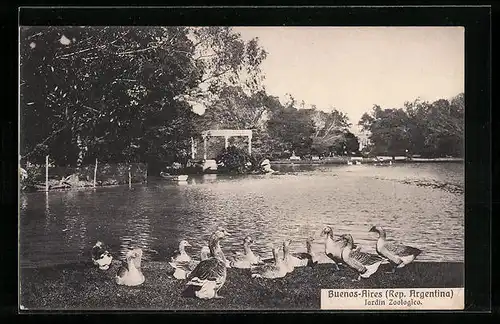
x,y
235,160
34,176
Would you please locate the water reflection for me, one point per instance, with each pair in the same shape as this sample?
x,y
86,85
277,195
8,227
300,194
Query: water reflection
x,y
268,208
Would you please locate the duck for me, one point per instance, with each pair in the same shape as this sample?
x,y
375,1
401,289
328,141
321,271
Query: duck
x,y
181,255
290,261
302,259
101,256
398,255
183,269
130,274
208,277
248,258
333,246
364,263
276,269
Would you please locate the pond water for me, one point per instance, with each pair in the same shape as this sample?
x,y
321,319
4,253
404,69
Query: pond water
x,y
411,201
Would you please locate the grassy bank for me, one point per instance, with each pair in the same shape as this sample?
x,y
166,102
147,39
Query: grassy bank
x,y
71,178
81,286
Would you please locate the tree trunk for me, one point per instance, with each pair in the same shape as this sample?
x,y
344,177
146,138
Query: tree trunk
x,y
81,153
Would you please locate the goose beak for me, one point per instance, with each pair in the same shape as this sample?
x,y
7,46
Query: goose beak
x,y
187,244
373,229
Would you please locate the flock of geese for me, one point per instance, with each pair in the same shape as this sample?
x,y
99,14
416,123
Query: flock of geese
x,y
206,277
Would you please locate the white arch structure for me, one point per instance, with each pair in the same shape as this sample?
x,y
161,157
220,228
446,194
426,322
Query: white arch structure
x,y
226,133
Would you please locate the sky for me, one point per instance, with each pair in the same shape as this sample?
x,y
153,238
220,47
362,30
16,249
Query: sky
x,y
353,68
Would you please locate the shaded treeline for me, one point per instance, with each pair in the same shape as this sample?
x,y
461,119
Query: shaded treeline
x,y
132,94
429,129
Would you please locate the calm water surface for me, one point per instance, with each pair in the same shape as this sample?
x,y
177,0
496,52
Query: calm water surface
x,y
61,227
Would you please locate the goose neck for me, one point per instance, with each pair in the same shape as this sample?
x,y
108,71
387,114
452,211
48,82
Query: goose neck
x,y
215,250
132,264
286,251
247,249
309,247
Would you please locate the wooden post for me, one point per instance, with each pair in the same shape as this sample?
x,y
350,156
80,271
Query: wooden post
x,y
192,148
250,145
226,142
205,147
46,173
129,177
95,173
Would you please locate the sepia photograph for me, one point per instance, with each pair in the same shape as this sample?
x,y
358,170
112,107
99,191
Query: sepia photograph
x,y
241,168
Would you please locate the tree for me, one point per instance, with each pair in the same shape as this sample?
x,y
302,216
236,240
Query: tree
x,y
338,143
431,129
235,109
121,93
330,132
235,160
293,129
351,143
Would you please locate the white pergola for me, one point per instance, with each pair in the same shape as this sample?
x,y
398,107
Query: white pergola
x,y
226,133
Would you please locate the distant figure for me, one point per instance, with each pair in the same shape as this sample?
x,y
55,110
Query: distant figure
x,y
266,166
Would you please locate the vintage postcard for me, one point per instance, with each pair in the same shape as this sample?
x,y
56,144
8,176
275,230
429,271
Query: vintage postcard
x,y
241,168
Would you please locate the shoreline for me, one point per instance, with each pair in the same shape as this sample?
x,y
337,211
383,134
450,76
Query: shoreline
x,y
81,286
365,161
329,161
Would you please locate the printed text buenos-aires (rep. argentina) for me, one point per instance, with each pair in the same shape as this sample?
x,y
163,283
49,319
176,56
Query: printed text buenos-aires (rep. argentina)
x,y
391,297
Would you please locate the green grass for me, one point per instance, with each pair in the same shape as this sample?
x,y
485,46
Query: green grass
x,y
83,287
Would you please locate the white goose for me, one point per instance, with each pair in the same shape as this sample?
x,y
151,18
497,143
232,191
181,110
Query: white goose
x,y
309,258
276,269
130,274
209,275
101,256
289,261
333,246
398,255
248,258
181,255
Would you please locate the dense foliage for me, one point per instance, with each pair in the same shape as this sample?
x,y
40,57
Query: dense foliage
x,y
123,93
235,160
126,94
420,128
